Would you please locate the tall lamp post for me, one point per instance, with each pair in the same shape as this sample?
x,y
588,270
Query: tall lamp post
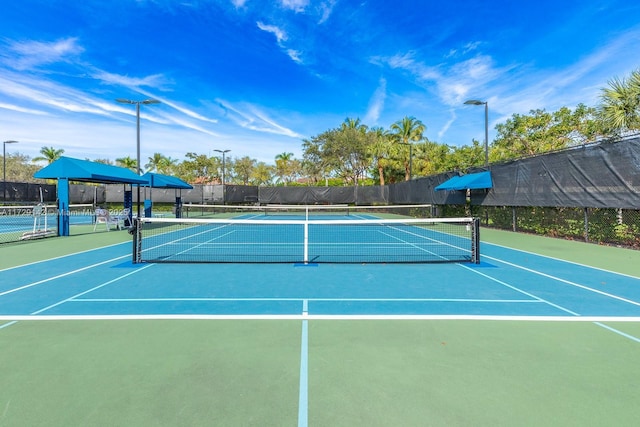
x,y
223,168
486,126
4,167
137,104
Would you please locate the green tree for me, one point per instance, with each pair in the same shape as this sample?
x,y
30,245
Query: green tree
x,y
283,169
19,168
161,164
127,162
199,169
620,105
540,131
407,131
261,174
348,149
49,154
243,168
381,150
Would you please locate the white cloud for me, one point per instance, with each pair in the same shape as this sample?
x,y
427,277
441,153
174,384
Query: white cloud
x,y
31,54
156,81
281,37
26,89
408,63
376,104
239,3
294,55
250,117
451,83
443,130
295,5
326,8
22,109
279,33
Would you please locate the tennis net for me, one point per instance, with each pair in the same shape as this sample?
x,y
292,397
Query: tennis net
x,y
407,240
306,211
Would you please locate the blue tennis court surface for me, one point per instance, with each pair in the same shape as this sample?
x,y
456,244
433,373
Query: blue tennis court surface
x,y
507,282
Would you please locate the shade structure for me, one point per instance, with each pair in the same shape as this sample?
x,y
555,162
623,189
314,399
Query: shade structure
x,y
67,169
86,171
156,180
472,181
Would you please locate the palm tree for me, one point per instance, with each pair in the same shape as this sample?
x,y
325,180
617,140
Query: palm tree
x,y
155,162
167,165
283,167
406,130
161,163
49,154
620,104
128,162
381,150
350,123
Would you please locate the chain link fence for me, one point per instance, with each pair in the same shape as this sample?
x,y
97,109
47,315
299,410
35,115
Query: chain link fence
x,y
596,225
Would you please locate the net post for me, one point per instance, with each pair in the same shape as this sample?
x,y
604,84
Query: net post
x,y
306,242
137,241
475,241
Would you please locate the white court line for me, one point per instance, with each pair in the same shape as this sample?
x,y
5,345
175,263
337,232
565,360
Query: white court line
x,y
305,301
559,259
549,276
62,256
302,316
68,273
93,289
519,290
568,282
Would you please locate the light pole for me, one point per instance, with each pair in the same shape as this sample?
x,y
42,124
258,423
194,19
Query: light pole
x,y
137,104
223,167
486,126
4,168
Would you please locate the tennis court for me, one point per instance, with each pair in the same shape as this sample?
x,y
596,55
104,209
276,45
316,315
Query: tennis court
x,y
539,332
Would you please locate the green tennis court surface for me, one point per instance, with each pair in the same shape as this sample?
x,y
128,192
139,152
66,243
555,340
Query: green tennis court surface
x,y
520,339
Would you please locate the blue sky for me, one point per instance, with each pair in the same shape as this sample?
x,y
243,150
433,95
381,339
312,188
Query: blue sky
x,y
257,77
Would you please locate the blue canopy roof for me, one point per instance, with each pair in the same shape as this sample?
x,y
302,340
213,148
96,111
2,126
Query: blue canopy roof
x,y
472,181
86,171
156,180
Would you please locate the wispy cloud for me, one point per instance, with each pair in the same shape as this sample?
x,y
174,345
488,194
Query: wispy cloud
x,y
376,104
295,5
450,82
156,81
239,3
326,8
250,117
407,62
186,111
443,130
27,89
23,55
276,31
281,37
294,55
22,109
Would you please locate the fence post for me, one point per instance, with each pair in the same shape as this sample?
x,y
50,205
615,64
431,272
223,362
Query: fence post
x,y
586,224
